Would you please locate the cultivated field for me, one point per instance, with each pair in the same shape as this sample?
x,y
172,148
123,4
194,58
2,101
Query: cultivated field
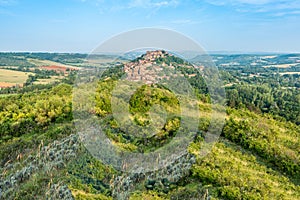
x,y
48,80
283,73
9,78
40,63
8,67
269,57
282,65
57,68
6,85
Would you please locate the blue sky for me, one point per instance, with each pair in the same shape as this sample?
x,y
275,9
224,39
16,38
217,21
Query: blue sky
x,y
217,25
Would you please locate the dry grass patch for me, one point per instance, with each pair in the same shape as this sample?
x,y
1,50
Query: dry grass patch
x,y
282,65
283,73
40,63
48,80
9,78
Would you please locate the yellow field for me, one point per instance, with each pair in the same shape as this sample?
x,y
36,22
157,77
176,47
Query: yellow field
x,y
40,63
283,73
268,57
282,65
8,67
11,77
49,80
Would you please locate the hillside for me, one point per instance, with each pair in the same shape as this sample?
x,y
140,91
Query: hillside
x,y
256,157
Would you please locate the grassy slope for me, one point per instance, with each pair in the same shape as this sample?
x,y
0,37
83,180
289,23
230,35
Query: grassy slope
x,y
11,76
236,174
258,160
234,171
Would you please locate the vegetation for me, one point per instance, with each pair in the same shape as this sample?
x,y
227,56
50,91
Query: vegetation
x,y
240,175
257,156
255,83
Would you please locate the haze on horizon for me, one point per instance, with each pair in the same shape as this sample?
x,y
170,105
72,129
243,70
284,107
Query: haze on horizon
x,y
217,25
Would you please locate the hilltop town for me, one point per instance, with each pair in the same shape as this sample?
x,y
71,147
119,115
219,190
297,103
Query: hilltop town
x,y
147,68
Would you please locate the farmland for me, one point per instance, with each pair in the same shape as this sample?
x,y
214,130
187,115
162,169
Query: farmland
x,y
27,69
57,68
39,62
282,65
9,78
49,80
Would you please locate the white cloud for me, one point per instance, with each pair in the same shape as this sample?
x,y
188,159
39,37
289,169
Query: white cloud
x,y
254,2
4,10
273,7
237,2
181,21
281,14
7,2
152,4
185,21
117,5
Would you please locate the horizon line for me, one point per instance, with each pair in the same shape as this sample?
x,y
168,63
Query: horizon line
x,y
212,52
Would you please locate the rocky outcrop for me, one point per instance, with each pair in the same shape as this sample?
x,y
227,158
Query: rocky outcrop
x,y
56,155
159,180
51,157
58,191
